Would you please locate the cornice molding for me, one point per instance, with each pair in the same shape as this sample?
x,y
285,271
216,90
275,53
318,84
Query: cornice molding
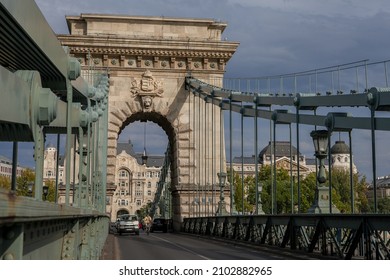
x,y
117,52
151,52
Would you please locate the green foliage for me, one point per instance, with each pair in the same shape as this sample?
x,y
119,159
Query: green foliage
x,y
307,191
242,197
384,205
341,192
27,176
52,191
282,190
5,182
144,211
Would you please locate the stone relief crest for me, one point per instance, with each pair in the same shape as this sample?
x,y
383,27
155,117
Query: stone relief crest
x,y
146,89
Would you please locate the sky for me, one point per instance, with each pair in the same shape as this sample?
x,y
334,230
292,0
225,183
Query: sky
x,y
276,37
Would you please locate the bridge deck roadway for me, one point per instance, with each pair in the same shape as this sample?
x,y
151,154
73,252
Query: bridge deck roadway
x,y
177,246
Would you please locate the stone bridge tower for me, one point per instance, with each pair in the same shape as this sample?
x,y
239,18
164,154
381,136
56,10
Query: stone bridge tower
x,y
148,59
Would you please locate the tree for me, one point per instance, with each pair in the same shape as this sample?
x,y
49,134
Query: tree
x,y
238,192
341,191
307,192
5,182
384,205
283,190
51,195
27,176
144,211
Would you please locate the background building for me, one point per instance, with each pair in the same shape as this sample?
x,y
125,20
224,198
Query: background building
x,y
136,183
6,167
266,157
282,157
341,156
50,165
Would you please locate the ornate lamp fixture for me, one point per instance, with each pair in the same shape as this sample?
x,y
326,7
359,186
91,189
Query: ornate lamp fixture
x,y
30,187
45,192
144,156
221,211
321,197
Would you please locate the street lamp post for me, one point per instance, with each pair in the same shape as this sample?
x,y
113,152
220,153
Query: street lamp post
x,y
321,197
144,157
30,186
221,211
45,192
259,202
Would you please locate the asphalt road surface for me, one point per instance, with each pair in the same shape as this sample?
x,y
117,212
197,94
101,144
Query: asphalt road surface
x,y
171,246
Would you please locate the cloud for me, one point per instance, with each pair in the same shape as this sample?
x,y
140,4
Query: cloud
x,y
334,8
276,37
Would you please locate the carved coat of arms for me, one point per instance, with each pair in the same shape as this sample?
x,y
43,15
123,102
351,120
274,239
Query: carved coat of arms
x,y
146,89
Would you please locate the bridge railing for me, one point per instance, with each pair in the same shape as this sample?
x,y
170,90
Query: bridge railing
x,y
44,94
305,110
336,236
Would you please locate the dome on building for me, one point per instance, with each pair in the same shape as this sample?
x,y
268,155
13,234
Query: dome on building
x,y
339,148
282,149
341,158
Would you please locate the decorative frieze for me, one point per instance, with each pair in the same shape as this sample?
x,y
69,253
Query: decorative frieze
x,y
133,61
151,53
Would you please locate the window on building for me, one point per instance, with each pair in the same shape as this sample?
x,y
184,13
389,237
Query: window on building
x,y
138,202
138,191
149,192
149,184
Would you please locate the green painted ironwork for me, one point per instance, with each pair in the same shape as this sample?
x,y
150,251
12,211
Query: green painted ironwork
x,y
46,95
163,187
324,235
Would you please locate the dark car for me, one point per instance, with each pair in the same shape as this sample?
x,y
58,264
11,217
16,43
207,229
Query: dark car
x,y
159,224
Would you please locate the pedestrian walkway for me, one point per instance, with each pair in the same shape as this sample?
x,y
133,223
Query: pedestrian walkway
x,y
109,249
